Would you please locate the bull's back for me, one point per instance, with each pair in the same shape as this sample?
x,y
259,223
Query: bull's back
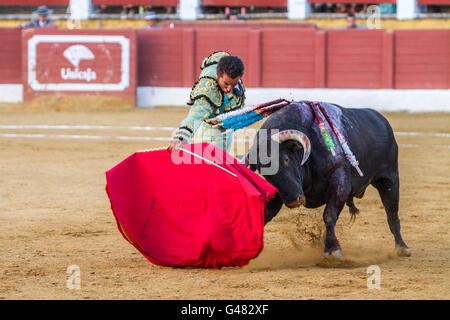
x,y
371,139
367,131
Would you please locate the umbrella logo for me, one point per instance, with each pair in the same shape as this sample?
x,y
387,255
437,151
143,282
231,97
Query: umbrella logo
x,y
74,54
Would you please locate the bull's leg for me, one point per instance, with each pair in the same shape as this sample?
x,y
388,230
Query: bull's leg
x,y
330,216
337,196
388,188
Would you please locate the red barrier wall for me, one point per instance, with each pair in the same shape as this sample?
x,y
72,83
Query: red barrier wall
x,y
288,61
34,2
308,58
435,2
88,62
168,3
422,59
172,57
10,52
245,3
160,58
356,1
236,43
355,59
273,57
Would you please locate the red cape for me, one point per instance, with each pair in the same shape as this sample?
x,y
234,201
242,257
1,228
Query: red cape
x,y
191,213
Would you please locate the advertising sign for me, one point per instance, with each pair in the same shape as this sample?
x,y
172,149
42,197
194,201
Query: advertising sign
x,y
80,63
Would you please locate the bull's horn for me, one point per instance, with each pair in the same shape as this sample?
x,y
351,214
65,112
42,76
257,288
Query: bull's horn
x,y
296,135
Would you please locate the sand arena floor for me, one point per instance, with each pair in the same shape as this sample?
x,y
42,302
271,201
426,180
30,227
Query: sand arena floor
x,y
54,213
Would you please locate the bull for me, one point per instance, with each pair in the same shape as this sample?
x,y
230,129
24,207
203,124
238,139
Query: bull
x,y
308,174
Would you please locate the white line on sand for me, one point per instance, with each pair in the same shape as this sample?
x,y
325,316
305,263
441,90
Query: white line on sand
x,y
82,127
91,137
150,128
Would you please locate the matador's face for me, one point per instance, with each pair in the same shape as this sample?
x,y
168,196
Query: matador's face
x,y
226,83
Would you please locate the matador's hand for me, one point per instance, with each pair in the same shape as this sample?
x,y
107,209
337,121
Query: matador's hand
x,y
176,144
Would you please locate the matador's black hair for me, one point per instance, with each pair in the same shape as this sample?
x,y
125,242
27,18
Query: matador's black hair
x,y
231,65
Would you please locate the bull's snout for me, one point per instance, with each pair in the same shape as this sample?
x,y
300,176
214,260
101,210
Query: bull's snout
x,y
297,203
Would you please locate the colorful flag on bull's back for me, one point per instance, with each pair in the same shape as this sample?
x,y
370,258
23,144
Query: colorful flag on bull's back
x,y
195,207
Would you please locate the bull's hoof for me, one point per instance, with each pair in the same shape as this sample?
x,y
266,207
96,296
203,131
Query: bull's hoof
x,y
403,251
333,254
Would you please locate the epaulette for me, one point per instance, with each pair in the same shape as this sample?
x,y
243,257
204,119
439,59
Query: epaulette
x,y
209,89
213,58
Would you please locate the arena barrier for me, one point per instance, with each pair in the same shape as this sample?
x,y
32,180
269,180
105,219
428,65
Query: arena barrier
x,y
245,3
301,57
11,65
403,70
34,2
10,51
367,68
167,3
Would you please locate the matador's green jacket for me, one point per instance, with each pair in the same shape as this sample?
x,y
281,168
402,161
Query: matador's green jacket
x,y
208,101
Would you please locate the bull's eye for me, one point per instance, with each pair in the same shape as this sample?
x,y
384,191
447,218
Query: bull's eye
x,y
286,160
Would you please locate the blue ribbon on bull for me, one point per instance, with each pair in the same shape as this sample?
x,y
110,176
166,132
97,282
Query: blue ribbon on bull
x,y
242,121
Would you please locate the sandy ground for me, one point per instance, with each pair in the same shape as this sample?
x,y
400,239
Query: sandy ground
x,y
54,213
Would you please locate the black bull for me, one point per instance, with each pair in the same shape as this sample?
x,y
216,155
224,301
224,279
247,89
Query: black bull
x,y
325,179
